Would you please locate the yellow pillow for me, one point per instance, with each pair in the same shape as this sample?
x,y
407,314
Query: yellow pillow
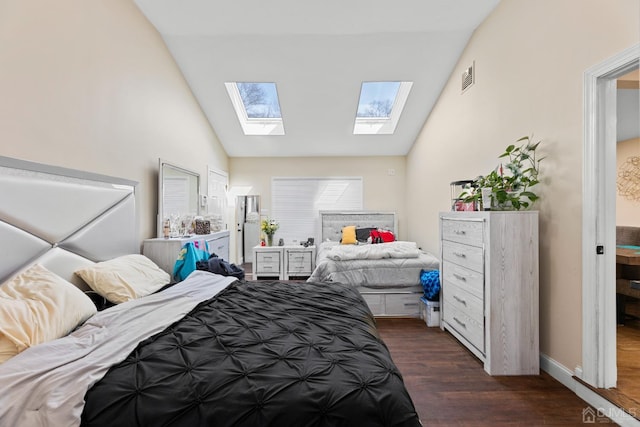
x,y
38,306
349,235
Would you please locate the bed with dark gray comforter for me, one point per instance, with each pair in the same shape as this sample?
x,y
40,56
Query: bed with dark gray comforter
x,y
211,351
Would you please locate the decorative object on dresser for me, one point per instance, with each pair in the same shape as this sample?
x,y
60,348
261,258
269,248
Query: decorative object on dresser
x,y
269,228
508,186
164,252
490,296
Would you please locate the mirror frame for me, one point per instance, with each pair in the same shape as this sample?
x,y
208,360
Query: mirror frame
x,y
161,176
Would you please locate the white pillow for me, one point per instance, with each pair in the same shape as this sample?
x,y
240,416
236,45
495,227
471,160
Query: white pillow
x,y
38,306
124,278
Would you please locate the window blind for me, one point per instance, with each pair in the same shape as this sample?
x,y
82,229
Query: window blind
x,y
296,203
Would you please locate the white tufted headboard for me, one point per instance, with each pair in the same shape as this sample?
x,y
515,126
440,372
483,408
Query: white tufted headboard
x,y
63,218
332,222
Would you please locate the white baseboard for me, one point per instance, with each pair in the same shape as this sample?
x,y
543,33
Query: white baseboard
x,y
603,407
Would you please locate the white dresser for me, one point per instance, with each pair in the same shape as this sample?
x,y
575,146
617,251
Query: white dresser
x,y
164,252
490,291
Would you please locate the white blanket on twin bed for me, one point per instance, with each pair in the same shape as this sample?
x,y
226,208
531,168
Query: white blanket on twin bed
x,y
397,249
379,273
45,385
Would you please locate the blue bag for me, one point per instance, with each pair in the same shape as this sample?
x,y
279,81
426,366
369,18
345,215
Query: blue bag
x,y
190,254
430,280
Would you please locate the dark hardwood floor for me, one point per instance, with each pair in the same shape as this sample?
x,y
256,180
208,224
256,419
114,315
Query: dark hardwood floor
x,y
450,388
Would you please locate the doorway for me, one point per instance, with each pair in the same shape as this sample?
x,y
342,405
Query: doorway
x,y
599,366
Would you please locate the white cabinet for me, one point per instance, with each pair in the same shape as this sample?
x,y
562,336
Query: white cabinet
x,y
490,289
299,261
267,262
283,262
164,252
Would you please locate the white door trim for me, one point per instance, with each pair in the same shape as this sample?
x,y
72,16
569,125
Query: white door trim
x,y
598,218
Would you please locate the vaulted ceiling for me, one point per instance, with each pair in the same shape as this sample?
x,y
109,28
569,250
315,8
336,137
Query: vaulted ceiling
x,y
318,54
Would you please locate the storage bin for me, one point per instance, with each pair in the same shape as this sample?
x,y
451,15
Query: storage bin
x,y
430,311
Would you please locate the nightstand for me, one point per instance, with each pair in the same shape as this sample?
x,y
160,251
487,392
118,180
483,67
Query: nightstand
x,y
299,261
268,262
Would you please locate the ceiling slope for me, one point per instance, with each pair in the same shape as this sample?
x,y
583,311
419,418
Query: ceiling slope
x,y
318,55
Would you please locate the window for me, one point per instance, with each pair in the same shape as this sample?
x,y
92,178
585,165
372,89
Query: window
x,y
380,106
296,203
257,107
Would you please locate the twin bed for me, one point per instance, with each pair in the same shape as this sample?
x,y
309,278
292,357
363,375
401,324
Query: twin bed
x,y
207,351
386,275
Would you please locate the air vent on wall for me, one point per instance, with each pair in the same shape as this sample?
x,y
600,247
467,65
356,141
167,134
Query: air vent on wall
x,y
468,77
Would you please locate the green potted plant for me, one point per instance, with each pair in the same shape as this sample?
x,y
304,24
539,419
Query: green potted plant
x,y
509,184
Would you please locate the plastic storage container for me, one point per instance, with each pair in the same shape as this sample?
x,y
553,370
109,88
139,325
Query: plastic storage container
x,y
430,311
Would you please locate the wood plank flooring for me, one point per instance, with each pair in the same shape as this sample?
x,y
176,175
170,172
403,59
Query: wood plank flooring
x,y
626,394
450,388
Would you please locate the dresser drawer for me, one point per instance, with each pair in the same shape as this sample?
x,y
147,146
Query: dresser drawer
x,y
469,280
268,262
463,301
467,256
469,328
463,231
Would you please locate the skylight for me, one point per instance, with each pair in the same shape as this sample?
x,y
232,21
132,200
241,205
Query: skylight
x,y
380,106
257,107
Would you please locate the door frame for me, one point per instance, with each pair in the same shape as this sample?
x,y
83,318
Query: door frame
x,y
599,218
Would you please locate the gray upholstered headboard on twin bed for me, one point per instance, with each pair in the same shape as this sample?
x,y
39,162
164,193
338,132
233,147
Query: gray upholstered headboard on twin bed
x,y
63,219
332,222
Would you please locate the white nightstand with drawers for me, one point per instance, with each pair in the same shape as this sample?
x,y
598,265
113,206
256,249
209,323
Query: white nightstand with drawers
x,y
268,262
283,262
299,261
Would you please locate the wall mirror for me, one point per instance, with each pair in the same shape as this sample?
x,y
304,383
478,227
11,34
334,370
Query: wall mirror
x,y
178,193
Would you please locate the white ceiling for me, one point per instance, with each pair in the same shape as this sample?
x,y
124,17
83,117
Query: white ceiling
x,y
318,54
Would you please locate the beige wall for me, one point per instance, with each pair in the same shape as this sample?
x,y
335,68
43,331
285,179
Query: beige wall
x,y
90,85
530,57
628,209
382,191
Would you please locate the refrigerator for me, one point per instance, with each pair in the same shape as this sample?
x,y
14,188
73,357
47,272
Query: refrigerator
x,y
247,226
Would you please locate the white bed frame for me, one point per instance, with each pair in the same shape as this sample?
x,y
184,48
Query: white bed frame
x,y
383,302
63,219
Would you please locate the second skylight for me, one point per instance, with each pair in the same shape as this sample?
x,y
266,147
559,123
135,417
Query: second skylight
x,y
380,106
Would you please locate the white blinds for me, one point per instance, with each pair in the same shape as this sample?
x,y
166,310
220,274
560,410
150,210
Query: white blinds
x,y
296,201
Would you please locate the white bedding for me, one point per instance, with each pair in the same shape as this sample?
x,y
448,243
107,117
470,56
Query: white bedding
x,y
352,266
45,385
397,249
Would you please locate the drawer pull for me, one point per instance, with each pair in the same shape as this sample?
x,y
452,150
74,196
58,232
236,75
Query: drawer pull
x,y
460,300
410,304
460,232
459,277
460,254
460,322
